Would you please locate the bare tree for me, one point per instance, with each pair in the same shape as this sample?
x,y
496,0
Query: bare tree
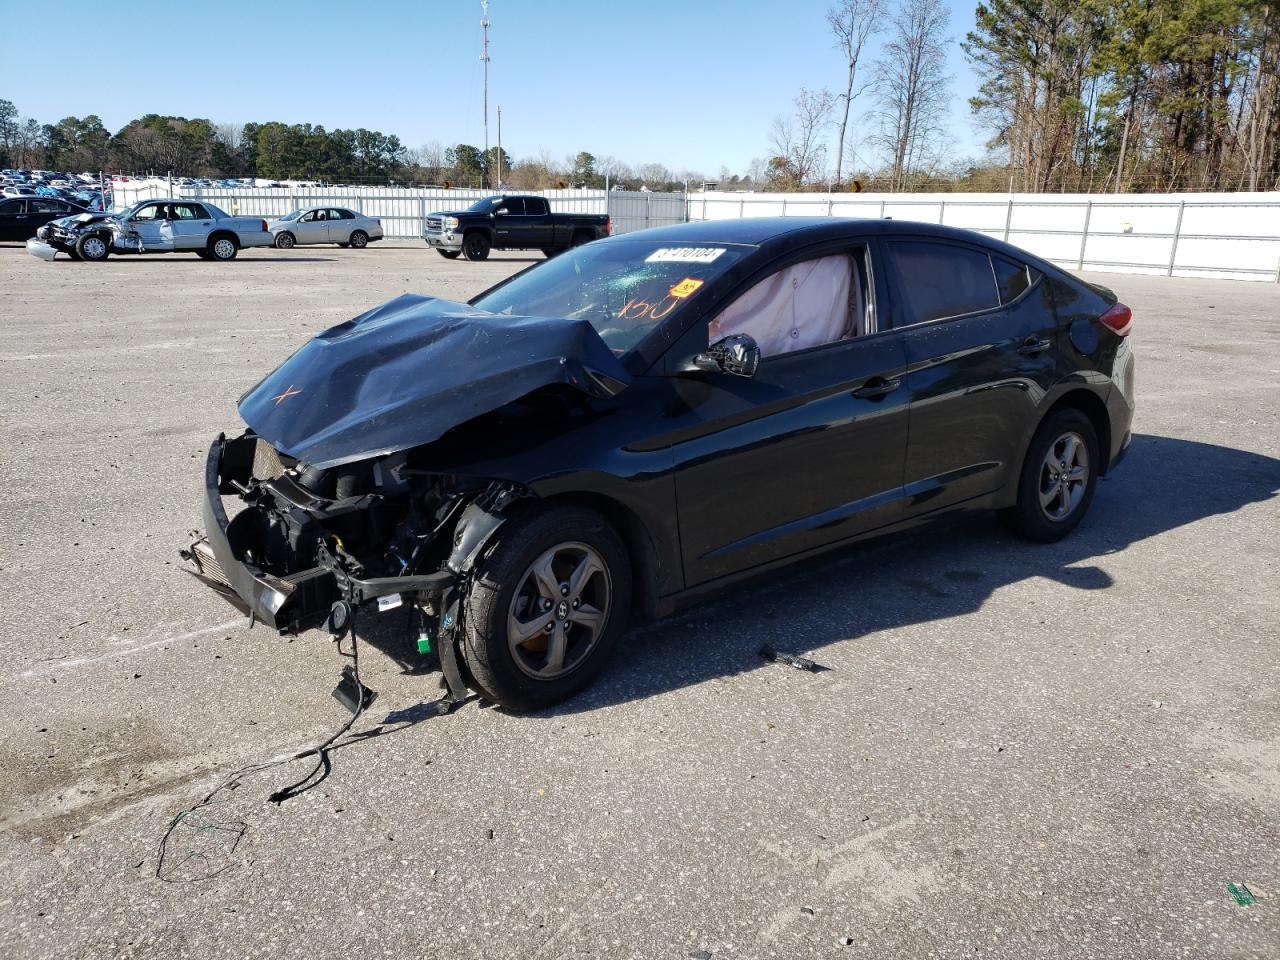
x,y
852,22
911,84
799,154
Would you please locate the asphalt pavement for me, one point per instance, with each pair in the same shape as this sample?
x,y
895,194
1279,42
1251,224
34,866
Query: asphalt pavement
x,y
1016,751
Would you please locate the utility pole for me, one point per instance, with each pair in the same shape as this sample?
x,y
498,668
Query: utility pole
x,y
499,183
484,58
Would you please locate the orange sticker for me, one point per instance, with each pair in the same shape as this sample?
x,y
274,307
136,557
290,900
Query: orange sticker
x,y
685,288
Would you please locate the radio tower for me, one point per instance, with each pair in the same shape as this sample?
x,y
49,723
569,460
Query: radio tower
x,y
484,58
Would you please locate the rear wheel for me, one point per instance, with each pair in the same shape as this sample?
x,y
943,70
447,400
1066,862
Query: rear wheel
x,y
476,246
580,238
93,247
546,607
1059,476
448,254
359,239
222,247
285,240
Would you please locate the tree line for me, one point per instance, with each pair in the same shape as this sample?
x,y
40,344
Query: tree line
x,y
1080,95
160,145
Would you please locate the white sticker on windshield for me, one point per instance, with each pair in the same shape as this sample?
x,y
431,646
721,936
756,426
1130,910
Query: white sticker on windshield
x,y
685,254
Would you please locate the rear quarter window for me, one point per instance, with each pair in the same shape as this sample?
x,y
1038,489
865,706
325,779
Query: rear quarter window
x,y
940,280
1013,279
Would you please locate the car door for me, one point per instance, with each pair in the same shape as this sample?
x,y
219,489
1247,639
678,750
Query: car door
x,y
151,225
539,231
810,450
339,225
192,225
312,227
979,360
508,223
41,210
15,222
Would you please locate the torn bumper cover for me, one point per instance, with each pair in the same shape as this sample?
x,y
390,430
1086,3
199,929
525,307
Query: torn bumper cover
x,y
225,557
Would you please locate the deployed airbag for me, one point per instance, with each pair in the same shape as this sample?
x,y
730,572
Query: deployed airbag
x,y
406,372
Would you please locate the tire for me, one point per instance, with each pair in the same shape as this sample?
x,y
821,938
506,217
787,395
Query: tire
x,y
285,240
93,247
476,246
73,255
505,592
358,239
550,252
448,254
579,239
1052,501
222,247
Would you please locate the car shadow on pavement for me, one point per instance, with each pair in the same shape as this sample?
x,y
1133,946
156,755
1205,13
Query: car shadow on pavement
x,y
950,569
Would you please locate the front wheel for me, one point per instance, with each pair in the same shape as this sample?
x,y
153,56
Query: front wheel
x,y
1059,476
222,248
285,240
93,247
475,246
359,239
547,607
448,254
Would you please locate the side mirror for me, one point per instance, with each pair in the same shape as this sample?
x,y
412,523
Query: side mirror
x,y
738,354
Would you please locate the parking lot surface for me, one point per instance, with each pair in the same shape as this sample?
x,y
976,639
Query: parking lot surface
x,y
1017,751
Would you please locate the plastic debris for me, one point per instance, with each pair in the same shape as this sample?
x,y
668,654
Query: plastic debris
x,y
790,659
1244,896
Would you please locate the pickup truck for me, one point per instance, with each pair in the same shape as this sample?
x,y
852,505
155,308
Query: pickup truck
x,y
510,223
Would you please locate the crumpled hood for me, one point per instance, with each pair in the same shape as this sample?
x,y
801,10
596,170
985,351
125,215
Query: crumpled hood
x,y
406,372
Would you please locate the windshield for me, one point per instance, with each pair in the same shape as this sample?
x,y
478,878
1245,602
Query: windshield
x,y
292,215
485,205
623,288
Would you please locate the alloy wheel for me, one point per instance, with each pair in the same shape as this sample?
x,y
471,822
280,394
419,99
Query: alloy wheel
x,y
559,611
1064,476
95,248
224,249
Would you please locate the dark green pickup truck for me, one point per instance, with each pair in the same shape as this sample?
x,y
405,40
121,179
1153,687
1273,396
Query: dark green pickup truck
x,y
510,223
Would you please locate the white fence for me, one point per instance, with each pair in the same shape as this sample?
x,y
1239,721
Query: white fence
x,y
402,209
1228,235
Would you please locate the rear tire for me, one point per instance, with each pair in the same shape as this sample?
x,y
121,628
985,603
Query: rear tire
x,y
449,254
93,247
580,238
285,240
359,239
522,582
476,246
222,247
1058,480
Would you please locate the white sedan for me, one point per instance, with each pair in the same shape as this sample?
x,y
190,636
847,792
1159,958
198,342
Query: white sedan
x,y
337,225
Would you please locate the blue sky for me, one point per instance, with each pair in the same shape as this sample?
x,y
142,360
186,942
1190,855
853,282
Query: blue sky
x,y
693,84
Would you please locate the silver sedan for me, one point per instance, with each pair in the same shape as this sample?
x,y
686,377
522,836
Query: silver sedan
x,y
346,228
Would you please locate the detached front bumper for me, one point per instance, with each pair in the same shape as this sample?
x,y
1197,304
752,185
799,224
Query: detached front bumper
x,y
223,557
38,248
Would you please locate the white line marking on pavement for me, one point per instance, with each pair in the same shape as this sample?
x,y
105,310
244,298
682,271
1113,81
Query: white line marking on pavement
x,y
60,665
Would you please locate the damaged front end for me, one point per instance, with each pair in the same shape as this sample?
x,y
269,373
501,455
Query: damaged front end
x,y
303,538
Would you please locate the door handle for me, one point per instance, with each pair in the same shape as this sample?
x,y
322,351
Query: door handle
x,y
877,387
1033,345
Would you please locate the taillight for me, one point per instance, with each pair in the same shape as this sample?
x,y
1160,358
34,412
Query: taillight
x,y
608,226
264,225
1119,320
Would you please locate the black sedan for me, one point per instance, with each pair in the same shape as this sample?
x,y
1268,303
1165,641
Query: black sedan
x,y
654,416
21,217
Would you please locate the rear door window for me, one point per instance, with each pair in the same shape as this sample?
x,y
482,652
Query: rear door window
x,y
1013,279
535,206
940,280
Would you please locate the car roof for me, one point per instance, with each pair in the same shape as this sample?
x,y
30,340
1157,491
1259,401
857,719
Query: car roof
x,y
765,231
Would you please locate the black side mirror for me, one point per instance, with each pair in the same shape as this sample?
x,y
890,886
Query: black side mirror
x,y
738,354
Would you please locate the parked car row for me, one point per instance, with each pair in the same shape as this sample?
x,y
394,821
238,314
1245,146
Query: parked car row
x,y
82,189
51,226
